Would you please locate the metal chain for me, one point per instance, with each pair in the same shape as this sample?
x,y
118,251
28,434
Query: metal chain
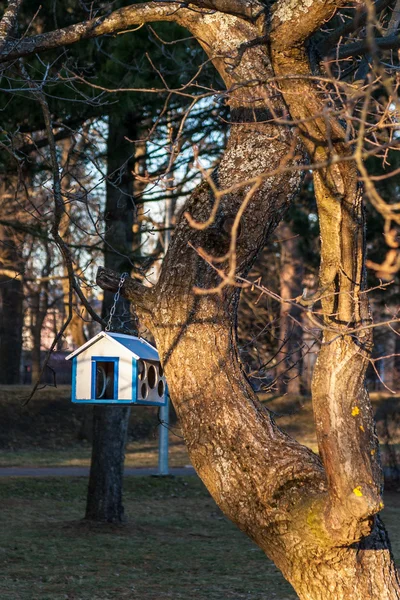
x,y
116,298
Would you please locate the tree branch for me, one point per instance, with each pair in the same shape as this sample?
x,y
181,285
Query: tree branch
x,y
140,295
294,22
249,9
341,404
117,21
8,21
359,20
124,18
357,48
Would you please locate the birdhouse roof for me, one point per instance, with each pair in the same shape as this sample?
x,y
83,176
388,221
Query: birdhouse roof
x,y
138,346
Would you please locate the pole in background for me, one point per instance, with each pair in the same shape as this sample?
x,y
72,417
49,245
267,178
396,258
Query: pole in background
x,y
163,439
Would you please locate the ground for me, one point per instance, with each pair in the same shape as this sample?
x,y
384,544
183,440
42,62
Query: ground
x,y
175,542
53,432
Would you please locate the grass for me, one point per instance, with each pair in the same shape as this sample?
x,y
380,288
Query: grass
x,y
176,544
52,432
45,434
138,454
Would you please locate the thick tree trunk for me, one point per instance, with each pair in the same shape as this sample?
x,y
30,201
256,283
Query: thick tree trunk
x,y
11,313
318,525
104,499
289,367
110,423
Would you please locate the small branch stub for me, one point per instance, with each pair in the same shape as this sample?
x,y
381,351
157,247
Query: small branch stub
x,y
131,289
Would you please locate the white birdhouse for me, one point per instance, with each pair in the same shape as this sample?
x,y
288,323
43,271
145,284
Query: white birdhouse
x,y
113,368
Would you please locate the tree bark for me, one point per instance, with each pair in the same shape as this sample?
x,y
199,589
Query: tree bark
x,y
110,423
318,525
104,499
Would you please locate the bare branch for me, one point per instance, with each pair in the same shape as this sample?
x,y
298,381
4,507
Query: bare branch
x,y
357,48
122,19
117,21
359,20
294,22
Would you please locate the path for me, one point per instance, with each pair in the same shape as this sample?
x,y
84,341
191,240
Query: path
x,y
83,471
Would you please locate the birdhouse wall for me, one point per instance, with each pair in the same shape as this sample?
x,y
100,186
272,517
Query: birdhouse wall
x,y
107,349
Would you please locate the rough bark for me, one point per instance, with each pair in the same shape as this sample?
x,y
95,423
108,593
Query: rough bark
x,y
110,423
317,525
104,499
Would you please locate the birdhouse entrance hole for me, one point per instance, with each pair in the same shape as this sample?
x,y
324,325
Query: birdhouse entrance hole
x,y
152,377
104,388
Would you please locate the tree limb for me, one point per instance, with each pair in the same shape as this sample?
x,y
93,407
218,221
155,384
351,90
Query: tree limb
x,y
8,21
341,404
140,295
384,43
294,21
124,18
117,21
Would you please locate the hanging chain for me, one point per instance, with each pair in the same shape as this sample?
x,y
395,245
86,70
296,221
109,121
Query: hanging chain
x,y
116,298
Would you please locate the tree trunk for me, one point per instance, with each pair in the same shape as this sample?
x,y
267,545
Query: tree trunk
x,y
289,367
110,423
319,528
35,353
104,499
11,313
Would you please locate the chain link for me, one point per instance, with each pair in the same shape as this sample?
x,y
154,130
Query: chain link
x,y
116,298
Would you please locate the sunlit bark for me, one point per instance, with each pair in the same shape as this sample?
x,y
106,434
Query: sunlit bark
x,y
319,528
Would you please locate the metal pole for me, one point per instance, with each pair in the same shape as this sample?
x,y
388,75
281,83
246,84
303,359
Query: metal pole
x,y
163,438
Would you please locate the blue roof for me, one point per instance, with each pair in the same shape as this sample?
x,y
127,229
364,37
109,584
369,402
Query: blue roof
x,y
139,347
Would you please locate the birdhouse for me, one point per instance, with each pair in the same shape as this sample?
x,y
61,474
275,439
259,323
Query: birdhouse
x,y
113,368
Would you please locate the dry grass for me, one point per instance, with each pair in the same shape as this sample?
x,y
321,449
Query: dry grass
x,y
45,434
138,454
176,544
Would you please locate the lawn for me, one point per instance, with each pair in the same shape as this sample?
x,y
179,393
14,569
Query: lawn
x,y
142,453
176,544
53,432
